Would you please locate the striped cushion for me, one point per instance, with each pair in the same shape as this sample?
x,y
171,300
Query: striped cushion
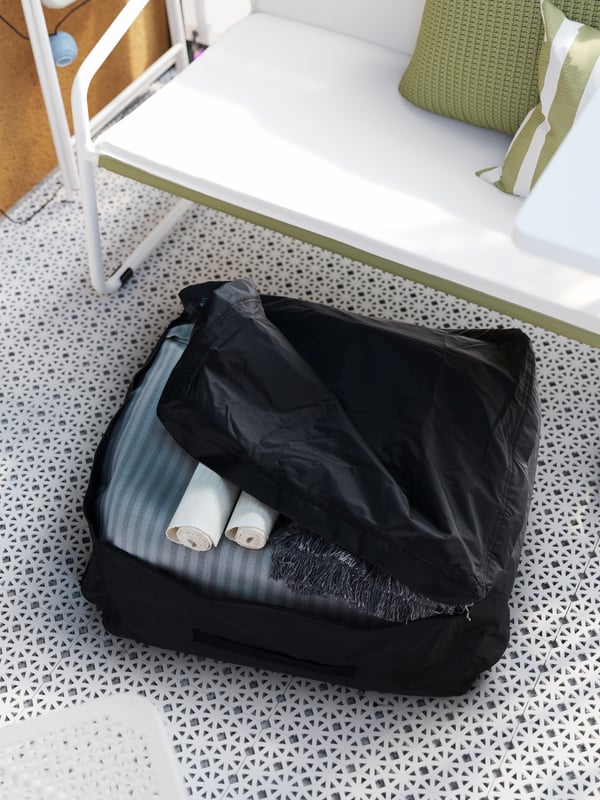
x,y
569,74
144,474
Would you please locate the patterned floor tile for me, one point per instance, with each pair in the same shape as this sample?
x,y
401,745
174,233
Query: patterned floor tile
x,y
555,752
530,725
213,712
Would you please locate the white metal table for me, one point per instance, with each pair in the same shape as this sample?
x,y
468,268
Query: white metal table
x,y
561,217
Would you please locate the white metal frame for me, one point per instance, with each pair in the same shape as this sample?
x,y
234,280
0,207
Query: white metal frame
x,y
84,127
46,69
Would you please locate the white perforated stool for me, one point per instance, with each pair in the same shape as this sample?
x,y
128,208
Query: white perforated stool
x,y
108,749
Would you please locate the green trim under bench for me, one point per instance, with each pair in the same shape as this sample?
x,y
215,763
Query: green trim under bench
x,y
333,245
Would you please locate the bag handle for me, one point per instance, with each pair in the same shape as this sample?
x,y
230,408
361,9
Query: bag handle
x,y
218,642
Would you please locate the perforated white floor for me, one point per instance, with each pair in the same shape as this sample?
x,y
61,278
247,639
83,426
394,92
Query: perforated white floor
x,y
530,728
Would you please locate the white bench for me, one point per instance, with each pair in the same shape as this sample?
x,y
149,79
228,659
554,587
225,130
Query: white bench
x,y
293,119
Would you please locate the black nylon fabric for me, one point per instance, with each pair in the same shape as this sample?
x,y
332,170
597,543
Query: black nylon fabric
x,y
439,656
442,655
414,449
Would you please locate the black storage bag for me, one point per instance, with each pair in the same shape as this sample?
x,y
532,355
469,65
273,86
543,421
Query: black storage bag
x,y
362,391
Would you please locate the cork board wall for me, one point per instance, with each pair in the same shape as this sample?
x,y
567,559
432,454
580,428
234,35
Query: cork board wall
x,y
26,149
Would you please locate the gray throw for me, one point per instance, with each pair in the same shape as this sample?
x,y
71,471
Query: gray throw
x,y
309,564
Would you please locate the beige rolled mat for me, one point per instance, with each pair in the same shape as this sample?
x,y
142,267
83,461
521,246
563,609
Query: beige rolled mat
x,y
251,522
203,511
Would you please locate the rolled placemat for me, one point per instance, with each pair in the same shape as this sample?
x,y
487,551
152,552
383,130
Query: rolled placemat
x,y
251,522
203,511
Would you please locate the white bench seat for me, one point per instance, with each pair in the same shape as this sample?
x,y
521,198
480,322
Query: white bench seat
x,y
305,127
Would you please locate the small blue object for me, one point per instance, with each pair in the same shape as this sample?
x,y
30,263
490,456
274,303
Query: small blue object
x,y
64,48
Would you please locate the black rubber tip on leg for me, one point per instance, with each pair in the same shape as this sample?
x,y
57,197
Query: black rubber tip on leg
x,y
126,276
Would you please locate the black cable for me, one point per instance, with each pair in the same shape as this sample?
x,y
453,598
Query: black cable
x,y
33,214
58,24
12,27
72,11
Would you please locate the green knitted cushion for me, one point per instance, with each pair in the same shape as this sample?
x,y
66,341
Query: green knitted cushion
x,y
569,75
475,60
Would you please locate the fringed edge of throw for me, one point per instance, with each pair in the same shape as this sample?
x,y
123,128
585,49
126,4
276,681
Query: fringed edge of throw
x,y
309,564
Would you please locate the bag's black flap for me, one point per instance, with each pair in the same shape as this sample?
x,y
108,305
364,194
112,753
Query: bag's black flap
x,y
412,448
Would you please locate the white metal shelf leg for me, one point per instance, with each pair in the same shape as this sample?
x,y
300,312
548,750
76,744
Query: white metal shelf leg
x,y
44,62
177,32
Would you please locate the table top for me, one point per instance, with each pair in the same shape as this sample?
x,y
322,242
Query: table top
x,y
561,217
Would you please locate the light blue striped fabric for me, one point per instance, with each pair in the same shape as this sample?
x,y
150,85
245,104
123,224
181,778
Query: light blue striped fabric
x,y
145,473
